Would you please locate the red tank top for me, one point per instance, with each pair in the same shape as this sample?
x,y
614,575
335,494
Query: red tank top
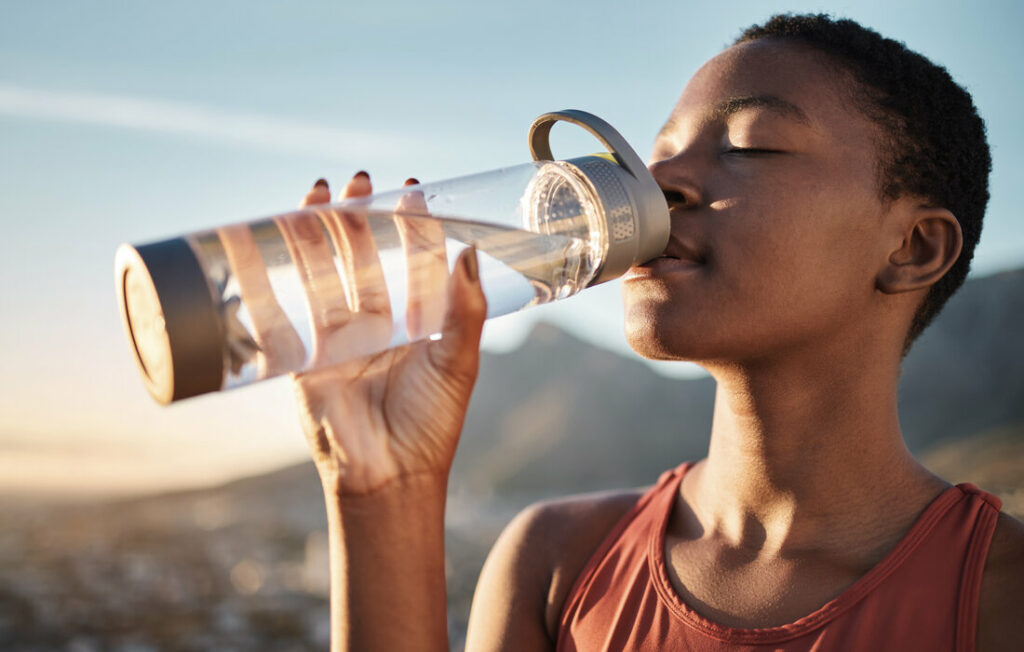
x,y
922,596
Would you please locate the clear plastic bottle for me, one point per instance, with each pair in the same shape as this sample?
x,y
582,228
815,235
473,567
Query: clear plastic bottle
x,y
229,306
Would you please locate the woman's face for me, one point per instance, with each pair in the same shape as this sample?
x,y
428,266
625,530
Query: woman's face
x,y
771,174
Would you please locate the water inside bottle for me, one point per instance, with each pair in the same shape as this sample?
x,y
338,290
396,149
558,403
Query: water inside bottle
x,y
323,285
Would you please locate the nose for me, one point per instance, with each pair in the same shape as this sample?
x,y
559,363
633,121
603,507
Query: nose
x,y
676,180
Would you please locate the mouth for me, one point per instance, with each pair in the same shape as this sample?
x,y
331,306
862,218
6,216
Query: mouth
x,y
678,256
662,265
683,250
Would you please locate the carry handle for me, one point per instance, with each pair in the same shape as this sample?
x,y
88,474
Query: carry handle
x,y
540,134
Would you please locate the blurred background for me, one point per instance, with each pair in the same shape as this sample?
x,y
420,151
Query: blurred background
x,y
127,526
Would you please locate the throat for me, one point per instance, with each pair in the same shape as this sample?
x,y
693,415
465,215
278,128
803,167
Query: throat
x,y
734,588
758,571
786,454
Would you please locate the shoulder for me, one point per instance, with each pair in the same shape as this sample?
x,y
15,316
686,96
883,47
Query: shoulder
x,y
566,533
534,564
574,520
1002,587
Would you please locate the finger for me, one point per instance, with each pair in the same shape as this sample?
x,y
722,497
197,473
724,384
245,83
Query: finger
x,y
319,194
280,348
353,240
458,351
358,186
325,296
426,264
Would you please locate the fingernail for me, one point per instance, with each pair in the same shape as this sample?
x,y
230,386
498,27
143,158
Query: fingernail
x,y
361,173
469,262
321,182
412,181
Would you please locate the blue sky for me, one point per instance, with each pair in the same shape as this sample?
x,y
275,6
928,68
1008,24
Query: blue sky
x,y
130,121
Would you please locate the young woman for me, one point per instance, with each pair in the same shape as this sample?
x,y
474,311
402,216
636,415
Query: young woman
x,y
826,189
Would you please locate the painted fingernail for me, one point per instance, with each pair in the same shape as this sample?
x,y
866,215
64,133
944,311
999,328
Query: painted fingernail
x,y
321,182
469,262
361,173
412,181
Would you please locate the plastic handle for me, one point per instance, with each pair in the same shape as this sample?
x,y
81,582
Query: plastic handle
x,y
540,133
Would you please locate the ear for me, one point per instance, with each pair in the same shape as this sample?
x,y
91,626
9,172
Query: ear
x,y
930,243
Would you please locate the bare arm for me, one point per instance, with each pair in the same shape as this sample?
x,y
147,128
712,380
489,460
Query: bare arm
x,y
533,566
382,431
387,567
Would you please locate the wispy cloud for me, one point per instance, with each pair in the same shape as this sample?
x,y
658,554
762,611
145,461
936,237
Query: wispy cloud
x,y
209,123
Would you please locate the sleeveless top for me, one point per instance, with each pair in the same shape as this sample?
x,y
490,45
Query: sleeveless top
x,y
922,596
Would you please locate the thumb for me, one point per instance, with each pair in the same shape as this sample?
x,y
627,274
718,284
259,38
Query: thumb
x,y
458,350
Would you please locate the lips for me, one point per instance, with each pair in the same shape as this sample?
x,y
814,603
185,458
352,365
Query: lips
x,y
680,249
680,255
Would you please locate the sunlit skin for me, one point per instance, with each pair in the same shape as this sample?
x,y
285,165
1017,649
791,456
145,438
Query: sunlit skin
x,y
775,215
791,281
382,431
776,292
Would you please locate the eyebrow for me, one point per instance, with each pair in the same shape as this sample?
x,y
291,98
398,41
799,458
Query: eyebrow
x,y
770,102
734,105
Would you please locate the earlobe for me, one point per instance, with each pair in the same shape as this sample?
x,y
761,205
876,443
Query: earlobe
x,y
930,245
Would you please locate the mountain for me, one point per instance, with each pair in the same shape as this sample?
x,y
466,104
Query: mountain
x,y
966,374
559,415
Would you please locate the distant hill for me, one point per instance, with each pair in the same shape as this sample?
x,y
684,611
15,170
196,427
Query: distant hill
x,y
992,460
560,416
966,374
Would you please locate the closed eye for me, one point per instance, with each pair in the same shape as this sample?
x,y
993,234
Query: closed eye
x,y
752,150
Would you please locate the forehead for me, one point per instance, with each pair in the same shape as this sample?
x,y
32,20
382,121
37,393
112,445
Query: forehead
x,y
784,79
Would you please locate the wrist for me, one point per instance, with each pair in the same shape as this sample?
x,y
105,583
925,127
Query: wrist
x,y
407,490
387,548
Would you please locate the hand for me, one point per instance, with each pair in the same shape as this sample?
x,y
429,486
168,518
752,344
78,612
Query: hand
x,y
378,419
278,346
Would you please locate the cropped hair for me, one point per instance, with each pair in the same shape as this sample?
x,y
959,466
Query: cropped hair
x,y
933,141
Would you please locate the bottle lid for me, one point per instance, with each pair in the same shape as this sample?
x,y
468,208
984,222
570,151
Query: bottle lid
x,y
171,318
635,208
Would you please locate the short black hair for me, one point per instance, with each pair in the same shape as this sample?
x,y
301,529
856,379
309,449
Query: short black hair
x,y
933,140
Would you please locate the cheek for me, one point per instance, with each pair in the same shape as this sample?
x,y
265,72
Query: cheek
x,y
803,269
777,273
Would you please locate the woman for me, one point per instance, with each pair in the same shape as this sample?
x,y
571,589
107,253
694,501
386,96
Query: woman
x,y
826,188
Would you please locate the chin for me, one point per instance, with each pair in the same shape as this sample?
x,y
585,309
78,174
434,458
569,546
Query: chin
x,y
650,340
654,323
657,331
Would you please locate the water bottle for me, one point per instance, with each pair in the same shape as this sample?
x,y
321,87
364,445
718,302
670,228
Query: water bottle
x,y
222,308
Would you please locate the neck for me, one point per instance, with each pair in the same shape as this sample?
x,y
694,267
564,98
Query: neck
x,y
803,447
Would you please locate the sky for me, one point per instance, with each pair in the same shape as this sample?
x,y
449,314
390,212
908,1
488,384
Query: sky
x,y
135,121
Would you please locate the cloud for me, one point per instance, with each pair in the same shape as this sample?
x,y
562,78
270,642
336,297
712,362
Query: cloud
x,y
208,123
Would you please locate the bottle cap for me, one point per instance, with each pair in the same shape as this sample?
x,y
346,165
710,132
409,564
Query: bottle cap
x,y
171,318
635,209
